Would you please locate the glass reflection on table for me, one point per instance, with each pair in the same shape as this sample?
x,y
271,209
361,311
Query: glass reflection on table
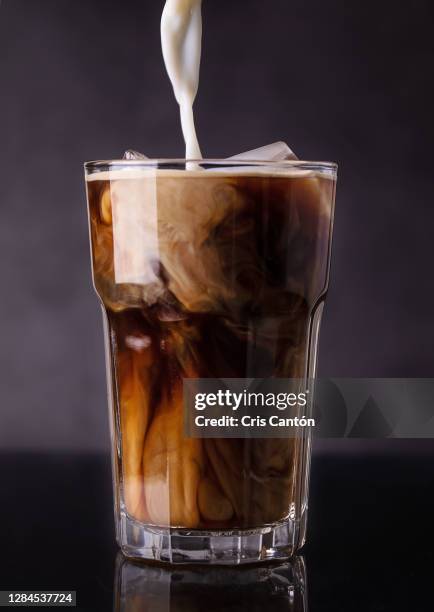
x,y
280,587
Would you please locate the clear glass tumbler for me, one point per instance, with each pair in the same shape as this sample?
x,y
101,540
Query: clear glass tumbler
x,y
207,269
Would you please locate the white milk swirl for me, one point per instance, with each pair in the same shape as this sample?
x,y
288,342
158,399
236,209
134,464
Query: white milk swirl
x,y
181,37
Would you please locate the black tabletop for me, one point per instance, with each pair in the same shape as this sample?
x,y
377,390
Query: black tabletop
x,y
370,540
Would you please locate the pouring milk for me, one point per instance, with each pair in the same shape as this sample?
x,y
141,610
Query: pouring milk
x,y
181,34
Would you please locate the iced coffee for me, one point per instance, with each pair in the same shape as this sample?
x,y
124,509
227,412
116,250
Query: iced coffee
x,y
213,272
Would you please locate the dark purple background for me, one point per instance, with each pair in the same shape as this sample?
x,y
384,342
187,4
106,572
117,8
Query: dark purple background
x,y
344,81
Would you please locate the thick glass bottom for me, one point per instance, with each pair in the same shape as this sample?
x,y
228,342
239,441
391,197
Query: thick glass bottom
x,y
234,547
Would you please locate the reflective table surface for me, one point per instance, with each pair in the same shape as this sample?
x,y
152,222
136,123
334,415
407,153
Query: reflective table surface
x,y
370,540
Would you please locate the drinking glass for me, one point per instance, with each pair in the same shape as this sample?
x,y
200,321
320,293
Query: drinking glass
x,y
207,269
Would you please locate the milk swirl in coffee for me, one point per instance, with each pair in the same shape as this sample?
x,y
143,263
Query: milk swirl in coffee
x,y
206,275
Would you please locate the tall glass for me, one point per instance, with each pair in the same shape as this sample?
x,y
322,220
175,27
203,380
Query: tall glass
x,y
207,270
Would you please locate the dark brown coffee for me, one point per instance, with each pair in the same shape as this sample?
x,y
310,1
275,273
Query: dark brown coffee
x,y
206,274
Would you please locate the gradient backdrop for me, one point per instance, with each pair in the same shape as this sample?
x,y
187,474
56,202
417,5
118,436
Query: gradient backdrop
x,y
344,81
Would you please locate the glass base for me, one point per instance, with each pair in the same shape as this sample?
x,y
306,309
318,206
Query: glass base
x,y
235,547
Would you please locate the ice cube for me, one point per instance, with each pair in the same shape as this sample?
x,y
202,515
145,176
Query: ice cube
x,y
135,236
131,154
277,151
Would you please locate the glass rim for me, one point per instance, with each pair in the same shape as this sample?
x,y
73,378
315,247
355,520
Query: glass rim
x,y
104,165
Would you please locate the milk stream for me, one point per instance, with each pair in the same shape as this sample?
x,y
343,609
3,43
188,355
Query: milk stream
x,y
181,38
